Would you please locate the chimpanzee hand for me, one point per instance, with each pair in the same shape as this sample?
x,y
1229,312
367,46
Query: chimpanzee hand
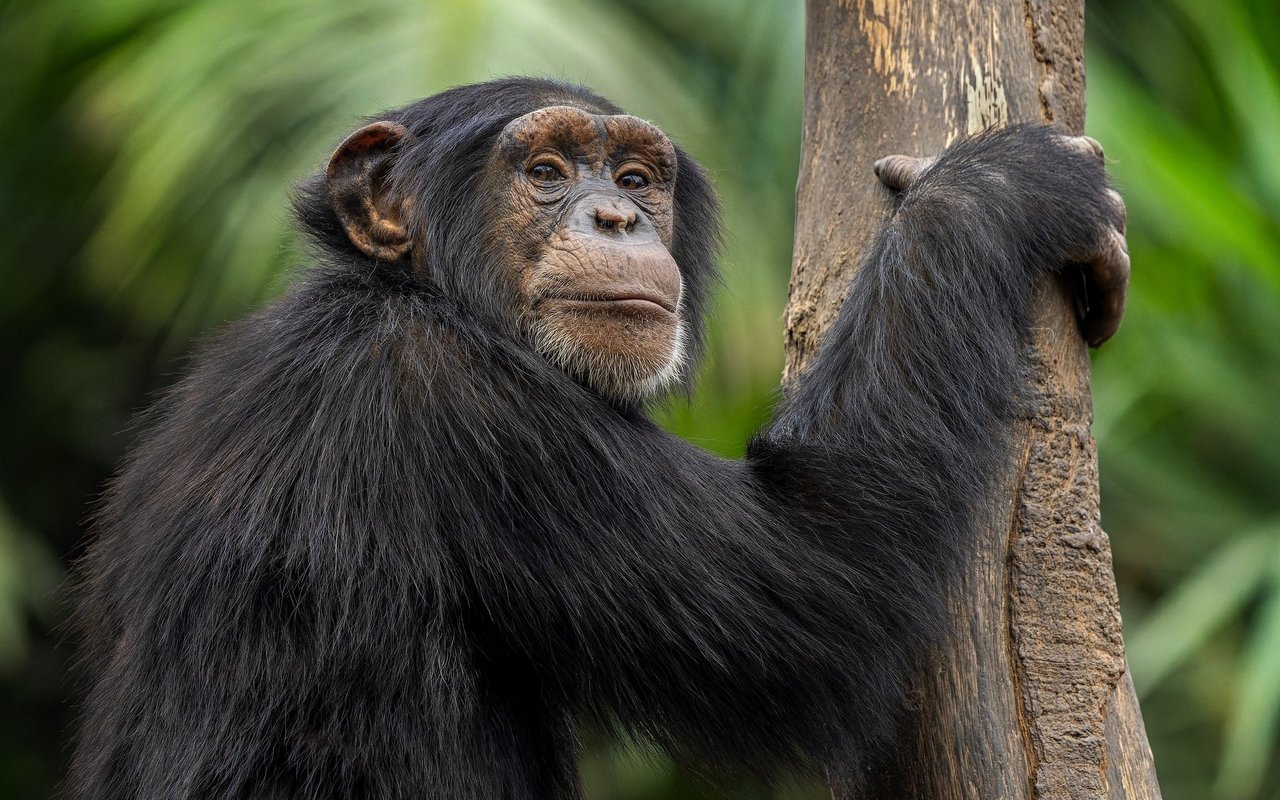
x,y
1102,253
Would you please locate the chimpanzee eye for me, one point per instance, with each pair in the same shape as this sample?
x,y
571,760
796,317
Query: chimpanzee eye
x,y
632,181
545,172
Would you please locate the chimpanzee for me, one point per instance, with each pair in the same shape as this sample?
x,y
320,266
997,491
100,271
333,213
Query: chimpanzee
x,y
397,534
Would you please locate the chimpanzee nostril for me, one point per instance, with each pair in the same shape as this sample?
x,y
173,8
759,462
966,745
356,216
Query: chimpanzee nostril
x,y
613,217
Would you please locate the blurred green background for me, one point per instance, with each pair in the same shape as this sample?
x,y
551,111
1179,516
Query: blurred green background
x,y
148,151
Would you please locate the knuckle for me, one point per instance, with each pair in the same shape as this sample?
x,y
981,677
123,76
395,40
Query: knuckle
x,y
1086,145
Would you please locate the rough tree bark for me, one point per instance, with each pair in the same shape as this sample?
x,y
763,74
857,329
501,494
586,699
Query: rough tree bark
x,y
1032,698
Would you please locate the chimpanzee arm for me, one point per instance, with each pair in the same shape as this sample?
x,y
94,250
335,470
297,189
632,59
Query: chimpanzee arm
x,y
915,384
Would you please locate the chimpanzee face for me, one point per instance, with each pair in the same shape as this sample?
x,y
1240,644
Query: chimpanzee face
x,y
589,217
582,225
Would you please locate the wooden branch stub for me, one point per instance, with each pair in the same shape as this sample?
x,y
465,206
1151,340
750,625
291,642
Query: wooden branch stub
x,y
1031,699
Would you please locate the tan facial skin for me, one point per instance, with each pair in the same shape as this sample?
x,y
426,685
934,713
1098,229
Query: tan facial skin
x,y
586,229
590,218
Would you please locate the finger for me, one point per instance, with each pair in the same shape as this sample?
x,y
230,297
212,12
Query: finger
x,y
1119,214
1085,144
1106,287
899,172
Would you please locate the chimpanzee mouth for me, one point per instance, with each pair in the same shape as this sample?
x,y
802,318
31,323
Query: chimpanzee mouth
x,y
628,300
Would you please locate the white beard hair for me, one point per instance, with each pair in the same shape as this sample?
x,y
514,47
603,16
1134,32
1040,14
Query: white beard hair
x,y
612,377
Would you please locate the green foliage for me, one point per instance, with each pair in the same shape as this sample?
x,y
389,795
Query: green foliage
x,y
149,149
1186,97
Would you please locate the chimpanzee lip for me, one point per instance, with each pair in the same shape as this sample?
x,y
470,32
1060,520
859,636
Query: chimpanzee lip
x,y
628,298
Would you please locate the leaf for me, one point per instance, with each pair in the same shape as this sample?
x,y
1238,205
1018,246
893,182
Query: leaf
x,y
1198,607
1252,722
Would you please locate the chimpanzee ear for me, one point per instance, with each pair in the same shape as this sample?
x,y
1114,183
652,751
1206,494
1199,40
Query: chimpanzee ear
x,y
358,188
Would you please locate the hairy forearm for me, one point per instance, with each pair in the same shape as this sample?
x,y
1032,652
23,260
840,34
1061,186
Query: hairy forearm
x,y
912,392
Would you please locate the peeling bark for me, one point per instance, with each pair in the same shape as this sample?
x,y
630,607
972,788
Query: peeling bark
x,y
1032,697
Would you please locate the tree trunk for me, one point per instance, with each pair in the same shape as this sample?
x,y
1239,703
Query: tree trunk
x,y
1032,697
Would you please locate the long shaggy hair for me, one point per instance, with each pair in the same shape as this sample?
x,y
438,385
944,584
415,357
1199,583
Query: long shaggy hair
x,y
376,544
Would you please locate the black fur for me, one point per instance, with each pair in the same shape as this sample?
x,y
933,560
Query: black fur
x,y
374,547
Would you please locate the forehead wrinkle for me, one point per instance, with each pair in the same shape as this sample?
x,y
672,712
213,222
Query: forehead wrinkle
x,y
561,127
602,136
594,138
635,133
631,134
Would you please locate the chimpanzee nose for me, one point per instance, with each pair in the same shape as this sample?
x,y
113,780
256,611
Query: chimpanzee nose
x,y
613,216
